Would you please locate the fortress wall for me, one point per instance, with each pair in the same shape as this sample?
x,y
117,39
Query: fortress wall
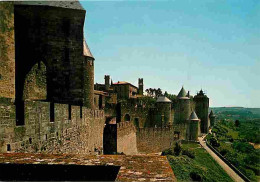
x,y
76,135
7,50
153,140
126,138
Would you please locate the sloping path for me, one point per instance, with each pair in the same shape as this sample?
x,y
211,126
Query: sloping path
x,y
228,170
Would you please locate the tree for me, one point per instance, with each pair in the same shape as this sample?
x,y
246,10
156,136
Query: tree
x,y
237,123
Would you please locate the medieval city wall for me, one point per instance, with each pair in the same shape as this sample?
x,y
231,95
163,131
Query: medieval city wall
x,y
153,140
80,132
126,138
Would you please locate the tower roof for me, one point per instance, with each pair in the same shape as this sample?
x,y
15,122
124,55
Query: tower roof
x,y
73,4
182,94
86,50
194,116
163,99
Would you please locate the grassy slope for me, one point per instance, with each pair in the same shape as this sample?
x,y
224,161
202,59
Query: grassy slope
x,y
203,164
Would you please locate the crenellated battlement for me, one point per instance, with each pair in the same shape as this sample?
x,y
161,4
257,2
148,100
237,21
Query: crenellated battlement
x,y
51,127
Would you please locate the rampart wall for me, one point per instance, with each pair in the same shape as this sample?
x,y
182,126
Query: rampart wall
x,y
153,140
69,129
126,138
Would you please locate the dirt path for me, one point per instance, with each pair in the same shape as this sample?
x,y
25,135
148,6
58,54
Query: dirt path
x,y
228,170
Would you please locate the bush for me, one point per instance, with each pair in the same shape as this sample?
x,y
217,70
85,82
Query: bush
x,y
168,152
223,152
177,148
195,176
214,142
189,153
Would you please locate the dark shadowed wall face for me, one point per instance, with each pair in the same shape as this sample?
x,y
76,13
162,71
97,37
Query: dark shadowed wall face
x,y
55,37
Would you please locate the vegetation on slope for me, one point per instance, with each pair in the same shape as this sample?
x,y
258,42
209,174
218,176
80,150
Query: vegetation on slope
x,y
193,163
238,142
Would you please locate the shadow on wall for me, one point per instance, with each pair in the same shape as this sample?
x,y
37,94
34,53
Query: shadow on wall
x,y
34,172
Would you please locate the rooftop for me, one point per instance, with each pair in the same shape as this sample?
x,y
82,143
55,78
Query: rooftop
x,y
182,94
74,4
163,99
123,83
86,50
194,116
132,168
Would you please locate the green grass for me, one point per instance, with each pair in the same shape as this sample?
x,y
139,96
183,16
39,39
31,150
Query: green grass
x,y
203,164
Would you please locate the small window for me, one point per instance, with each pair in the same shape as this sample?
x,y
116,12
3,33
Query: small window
x,y
8,147
51,112
69,112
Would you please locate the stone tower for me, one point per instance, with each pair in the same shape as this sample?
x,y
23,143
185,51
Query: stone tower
x,y
182,108
140,86
163,105
201,108
88,77
212,118
107,80
194,127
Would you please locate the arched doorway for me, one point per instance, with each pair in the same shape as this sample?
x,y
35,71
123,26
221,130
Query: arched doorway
x,y
127,117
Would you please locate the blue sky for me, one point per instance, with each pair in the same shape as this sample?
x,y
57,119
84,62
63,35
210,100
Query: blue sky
x,y
208,44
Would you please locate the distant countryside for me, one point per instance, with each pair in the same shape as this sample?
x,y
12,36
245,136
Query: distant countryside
x,y
236,136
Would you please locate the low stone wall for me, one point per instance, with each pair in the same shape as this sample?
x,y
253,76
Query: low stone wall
x,y
153,140
126,138
228,163
78,132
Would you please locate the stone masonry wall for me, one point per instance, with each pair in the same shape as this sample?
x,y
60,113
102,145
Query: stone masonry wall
x,y
76,135
7,50
153,140
126,138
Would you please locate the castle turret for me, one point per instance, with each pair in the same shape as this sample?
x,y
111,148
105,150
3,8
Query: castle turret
x,y
194,127
107,79
212,118
201,108
182,108
88,77
163,105
140,86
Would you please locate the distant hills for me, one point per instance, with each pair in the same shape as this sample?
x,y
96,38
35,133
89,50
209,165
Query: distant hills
x,y
236,112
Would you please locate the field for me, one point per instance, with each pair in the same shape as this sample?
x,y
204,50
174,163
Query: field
x,y
200,168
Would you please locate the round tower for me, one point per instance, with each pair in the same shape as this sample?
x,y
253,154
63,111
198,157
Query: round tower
x,y
194,127
182,108
163,105
212,118
88,86
201,108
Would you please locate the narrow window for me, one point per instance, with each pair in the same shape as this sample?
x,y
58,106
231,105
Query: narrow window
x,y
51,112
19,113
8,147
80,111
69,112
30,140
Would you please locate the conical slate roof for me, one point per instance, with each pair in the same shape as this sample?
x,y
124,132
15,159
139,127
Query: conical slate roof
x,y
194,116
182,93
74,4
163,99
86,50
